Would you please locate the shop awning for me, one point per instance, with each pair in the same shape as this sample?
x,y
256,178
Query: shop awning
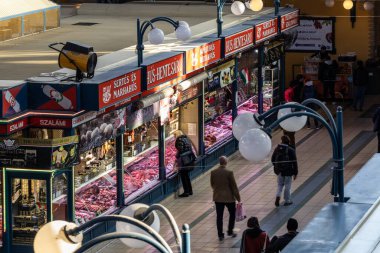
x,y
14,8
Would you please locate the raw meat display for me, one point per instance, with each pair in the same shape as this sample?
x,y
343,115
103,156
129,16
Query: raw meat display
x,y
170,153
95,199
218,129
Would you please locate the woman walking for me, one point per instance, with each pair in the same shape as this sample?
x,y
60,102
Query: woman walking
x,y
254,239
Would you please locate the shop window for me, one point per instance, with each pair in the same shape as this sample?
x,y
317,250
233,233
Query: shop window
x,y
52,19
140,158
95,183
33,23
60,197
10,28
218,117
29,209
183,120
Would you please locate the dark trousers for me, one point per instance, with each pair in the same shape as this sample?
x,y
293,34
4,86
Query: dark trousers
x,y
329,88
308,118
231,207
186,183
359,97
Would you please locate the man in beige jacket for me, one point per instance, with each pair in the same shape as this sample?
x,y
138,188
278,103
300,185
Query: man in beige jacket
x,y
226,193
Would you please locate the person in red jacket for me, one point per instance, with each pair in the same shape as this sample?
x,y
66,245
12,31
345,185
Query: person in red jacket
x,y
289,93
254,239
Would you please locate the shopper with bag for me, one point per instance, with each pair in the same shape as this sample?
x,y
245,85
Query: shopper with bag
x,y
285,166
254,239
225,194
185,159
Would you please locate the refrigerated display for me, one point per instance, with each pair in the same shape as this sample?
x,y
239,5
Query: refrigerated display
x,y
271,87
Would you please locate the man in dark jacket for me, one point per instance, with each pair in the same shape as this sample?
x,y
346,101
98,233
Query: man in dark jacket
x,y
327,75
376,127
279,243
225,194
285,165
360,83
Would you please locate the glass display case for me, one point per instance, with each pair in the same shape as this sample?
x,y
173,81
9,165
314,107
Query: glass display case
x,y
60,197
95,183
140,159
271,87
29,209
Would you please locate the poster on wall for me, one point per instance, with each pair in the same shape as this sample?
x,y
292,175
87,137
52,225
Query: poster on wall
x,y
137,118
65,156
221,76
311,35
95,132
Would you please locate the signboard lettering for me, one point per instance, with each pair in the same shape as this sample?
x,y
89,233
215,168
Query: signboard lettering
x,y
202,56
50,122
83,118
163,71
119,88
239,41
18,125
266,30
289,20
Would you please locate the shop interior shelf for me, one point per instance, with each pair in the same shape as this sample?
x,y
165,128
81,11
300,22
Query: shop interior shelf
x,y
82,186
128,161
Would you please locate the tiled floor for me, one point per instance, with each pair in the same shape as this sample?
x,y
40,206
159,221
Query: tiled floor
x,y
258,187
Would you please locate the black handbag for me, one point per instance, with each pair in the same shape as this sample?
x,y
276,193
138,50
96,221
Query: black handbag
x,y
187,158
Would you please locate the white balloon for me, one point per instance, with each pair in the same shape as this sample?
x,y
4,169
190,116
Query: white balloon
x,y
256,5
156,36
348,4
329,3
237,8
292,124
243,123
368,6
125,227
183,32
255,145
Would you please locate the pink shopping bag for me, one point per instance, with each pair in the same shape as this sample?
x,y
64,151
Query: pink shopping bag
x,y
240,212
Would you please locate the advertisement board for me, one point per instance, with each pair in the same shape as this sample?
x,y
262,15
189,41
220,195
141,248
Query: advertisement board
x,y
13,126
95,132
137,118
237,42
311,35
203,55
14,100
221,76
36,153
53,97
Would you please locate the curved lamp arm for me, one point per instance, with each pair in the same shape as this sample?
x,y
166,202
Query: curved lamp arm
x,y
333,136
121,218
324,108
170,218
116,235
302,106
150,23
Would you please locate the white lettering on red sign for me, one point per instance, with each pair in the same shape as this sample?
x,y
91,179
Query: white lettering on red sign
x,y
238,41
16,126
266,30
120,88
158,73
289,20
53,122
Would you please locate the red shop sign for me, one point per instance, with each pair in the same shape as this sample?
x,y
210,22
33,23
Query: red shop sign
x,y
14,126
237,42
119,88
289,20
163,71
202,56
50,122
266,30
